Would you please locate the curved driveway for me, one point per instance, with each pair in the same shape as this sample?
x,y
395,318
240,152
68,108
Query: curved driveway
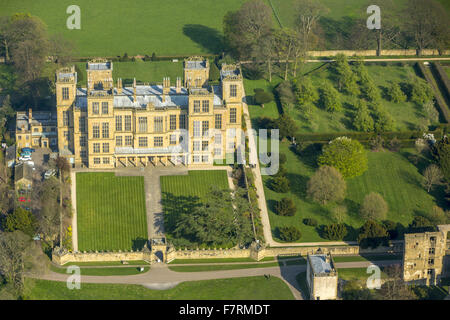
x,y
161,277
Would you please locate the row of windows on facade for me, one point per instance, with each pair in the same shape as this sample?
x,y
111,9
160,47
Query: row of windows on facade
x,y
195,158
158,124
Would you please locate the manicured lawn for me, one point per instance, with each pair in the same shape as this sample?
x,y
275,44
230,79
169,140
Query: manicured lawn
x,y
197,183
107,263
111,212
367,258
201,268
114,271
248,288
356,274
215,260
390,174
143,71
113,27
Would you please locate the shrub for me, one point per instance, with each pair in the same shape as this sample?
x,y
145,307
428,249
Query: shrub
x,y
310,222
125,58
395,93
374,207
286,94
339,213
419,91
289,234
372,234
154,57
346,155
392,228
431,112
421,224
377,143
384,121
363,120
262,97
394,145
371,91
326,185
282,158
280,184
330,98
305,91
285,207
335,231
286,125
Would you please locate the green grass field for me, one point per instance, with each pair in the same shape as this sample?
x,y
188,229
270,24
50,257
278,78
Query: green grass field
x,y
113,271
113,27
202,268
340,15
111,212
390,174
249,288
197,183
407,115
150,72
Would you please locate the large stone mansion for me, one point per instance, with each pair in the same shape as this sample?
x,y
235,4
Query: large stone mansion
x,y
107,126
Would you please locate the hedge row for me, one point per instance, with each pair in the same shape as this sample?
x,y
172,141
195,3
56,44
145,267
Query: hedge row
x,y
366,136
443,77
158,58
440,102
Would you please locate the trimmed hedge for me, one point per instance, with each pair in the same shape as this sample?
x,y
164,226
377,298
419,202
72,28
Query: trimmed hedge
x,y
440,102
367,136
443,77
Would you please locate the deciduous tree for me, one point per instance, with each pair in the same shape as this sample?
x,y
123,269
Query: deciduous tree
x,y
326,185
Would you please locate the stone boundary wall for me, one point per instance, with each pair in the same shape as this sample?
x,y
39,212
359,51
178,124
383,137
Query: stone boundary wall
x,y
255,252
369,53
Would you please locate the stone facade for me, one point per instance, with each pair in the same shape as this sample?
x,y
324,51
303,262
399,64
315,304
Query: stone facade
x,y
36,129
107,126
321,277
424,254
255,251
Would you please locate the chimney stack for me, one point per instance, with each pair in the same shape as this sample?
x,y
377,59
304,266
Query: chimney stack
x,y
30,115
134,89
178,85
166,88
119,85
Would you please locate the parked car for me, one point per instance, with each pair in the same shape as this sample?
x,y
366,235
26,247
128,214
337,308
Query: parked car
x,y
25,158
49,173
30,163
29,150
22,199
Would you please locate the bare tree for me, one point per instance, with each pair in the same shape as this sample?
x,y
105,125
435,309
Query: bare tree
x,y
63,167
19,255
431,176
244,28
395,288
62,49
308,13
426,22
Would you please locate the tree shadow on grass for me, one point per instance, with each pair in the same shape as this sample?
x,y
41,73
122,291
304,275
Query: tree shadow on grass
x,y
298,184
308,156
208,38
175,206
138,243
